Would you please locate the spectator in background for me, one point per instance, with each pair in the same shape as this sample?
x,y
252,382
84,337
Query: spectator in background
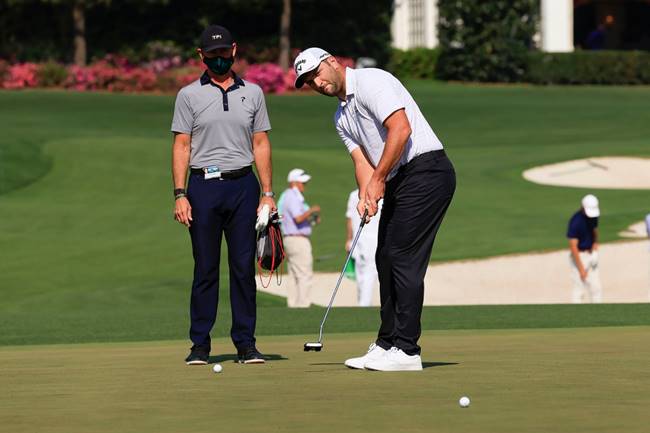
x,y
583,244
364,252
297,220
596,39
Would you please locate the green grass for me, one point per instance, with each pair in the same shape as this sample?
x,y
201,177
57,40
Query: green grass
x,y
538,381
90,251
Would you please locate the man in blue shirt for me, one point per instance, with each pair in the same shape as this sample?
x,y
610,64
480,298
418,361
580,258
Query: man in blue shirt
x,y
583,244
297,220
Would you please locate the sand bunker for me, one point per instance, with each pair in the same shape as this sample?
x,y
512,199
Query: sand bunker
x,y
636,230
611,172
536,278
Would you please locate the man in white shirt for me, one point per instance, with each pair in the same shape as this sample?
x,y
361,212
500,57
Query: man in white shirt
x,y
364,252
397,157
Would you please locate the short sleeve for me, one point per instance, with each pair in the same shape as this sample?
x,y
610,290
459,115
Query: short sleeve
x,y
346,138
381,99
292,206
183,120
573,232
261,122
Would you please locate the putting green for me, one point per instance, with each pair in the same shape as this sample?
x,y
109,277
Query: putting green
x,y
552,380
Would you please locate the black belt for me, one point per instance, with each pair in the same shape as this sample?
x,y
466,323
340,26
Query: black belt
x,y
233,174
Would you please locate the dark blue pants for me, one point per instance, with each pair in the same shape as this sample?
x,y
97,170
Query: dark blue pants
x,y
223,207
415,202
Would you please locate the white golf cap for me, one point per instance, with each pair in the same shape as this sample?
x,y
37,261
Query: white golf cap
x,y
590,205
307,61
298,175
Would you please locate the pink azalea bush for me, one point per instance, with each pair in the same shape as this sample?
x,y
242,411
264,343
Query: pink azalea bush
x,y
20,75
269,76
115,74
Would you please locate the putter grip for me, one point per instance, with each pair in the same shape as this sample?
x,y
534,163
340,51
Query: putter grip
x,y
363,218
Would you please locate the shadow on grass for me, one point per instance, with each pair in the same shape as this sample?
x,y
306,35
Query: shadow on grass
x,y
233,357
437,364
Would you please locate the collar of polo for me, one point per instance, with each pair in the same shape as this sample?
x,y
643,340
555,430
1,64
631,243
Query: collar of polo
x,y
205,79
350,85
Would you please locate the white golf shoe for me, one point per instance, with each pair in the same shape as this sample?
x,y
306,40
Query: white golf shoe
x,y
395,360
374,352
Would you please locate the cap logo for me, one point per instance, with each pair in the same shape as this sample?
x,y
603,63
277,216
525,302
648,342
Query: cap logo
x,y
216,37
299,64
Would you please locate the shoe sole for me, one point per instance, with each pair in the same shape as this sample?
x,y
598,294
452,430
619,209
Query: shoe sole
x,y
416,368
196,362
354,367
253,361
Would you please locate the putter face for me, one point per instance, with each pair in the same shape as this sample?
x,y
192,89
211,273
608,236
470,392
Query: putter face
x,y
316,347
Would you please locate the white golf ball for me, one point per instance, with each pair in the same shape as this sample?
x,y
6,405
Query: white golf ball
x,y
217,368
464,401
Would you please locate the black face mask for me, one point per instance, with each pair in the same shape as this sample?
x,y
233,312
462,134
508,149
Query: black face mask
x,y
219,65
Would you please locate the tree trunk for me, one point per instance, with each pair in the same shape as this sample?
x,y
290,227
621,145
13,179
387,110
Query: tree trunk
x,y
79,21
285,27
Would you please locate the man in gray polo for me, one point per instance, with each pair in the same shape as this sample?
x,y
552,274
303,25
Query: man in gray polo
x,y
399,158
220,128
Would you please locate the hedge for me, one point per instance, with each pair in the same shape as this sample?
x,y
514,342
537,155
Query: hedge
x,y
589,67
414,63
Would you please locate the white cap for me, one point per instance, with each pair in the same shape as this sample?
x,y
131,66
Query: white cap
x,y
298,175
590,205
307,61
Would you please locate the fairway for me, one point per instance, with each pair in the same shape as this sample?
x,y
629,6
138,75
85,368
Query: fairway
x,y
90,251
566,380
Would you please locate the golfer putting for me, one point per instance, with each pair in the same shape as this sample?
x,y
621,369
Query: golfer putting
x,y
397,157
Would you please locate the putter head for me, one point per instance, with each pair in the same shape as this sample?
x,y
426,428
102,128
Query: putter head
x,y
315,347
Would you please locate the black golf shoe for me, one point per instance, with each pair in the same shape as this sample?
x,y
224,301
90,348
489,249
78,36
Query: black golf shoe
x,y
250,355
198,355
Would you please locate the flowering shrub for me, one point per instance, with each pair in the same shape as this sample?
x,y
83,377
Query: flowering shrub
x,y
116,74
269,76
20,75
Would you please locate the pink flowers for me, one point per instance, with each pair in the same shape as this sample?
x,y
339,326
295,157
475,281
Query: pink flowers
x,y
115,74
268,76
20,75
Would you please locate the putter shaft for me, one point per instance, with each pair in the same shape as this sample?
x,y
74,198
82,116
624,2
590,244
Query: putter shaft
x,y
338,283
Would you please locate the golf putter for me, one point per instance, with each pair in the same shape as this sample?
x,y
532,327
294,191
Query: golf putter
x,y
318,346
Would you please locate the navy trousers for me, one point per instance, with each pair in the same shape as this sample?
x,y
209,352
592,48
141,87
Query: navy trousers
x,y
223,207
415,202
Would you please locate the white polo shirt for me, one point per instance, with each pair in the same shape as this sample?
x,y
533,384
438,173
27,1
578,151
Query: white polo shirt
x,y
371,96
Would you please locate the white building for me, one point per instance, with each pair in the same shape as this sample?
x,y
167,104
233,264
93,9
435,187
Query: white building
x,y
414,24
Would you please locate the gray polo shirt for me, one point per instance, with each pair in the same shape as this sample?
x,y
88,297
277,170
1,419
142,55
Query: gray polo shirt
x,y
221,122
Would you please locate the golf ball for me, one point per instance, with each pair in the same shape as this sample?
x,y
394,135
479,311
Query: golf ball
x,y
464,401
217,368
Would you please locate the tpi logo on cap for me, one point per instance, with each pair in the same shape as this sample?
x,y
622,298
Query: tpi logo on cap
x,y
216,37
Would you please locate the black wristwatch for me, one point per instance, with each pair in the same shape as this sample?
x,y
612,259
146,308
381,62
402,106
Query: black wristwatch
x,y
179,192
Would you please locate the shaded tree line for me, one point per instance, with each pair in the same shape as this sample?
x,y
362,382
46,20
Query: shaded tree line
x,y
75,31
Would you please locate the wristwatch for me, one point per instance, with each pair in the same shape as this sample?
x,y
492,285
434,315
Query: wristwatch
x,y
268,194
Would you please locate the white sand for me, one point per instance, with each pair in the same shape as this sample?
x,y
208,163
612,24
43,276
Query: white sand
x,y
636,230
614,172
537,278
